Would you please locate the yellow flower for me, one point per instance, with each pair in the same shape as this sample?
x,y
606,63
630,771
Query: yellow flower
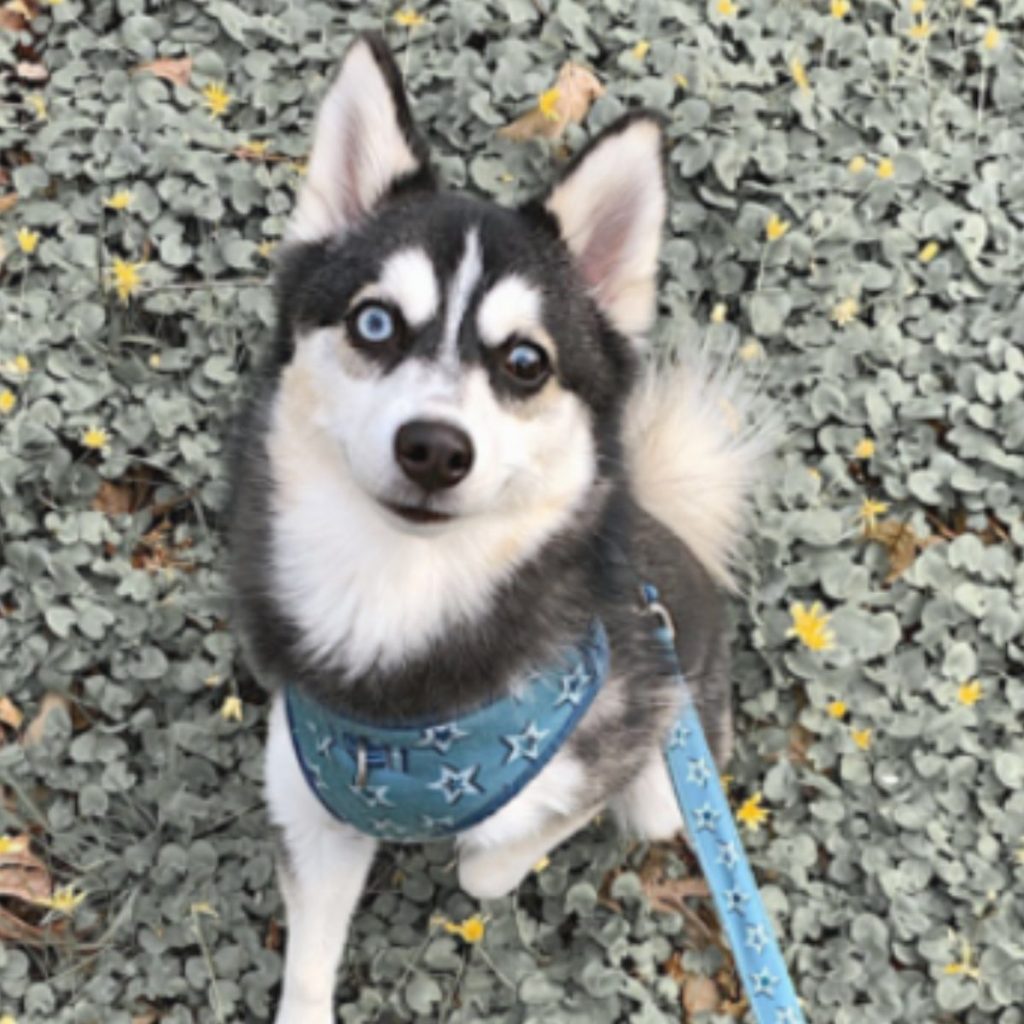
x,y
95,438
20,364
752,814
799,73
13,844
408,18
119,200
918,6
231,709
28,240
542,865
865,448
38,104
969,693
63,900
8,400
7,1018
126,278
992,38
265,248
719,313
471,930
726,8
682,81
845,312
217,99
836,708
776,227
203,907
886,168
862,737
751,350
970,4
547,103
921,31
966,963
840,8
810,626
928,252
254,148
640,50
154,360
870,511
857,164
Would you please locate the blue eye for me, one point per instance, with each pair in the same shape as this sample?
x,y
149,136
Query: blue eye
x,y
375,324
527,363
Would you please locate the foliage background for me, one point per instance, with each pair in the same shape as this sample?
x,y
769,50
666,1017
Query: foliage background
x,y
894,864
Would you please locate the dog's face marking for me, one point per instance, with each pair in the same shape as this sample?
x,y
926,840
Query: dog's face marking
x,y
452,371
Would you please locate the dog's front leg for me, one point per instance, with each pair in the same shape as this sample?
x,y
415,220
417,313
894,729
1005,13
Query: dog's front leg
x,y
322,871
496,855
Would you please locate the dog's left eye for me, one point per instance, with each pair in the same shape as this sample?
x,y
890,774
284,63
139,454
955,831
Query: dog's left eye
x,y
527,363
374,324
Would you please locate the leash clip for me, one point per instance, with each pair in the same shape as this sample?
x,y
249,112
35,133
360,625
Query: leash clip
x,y
652,606
362,769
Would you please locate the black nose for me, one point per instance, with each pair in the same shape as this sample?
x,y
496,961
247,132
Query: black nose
x,y
433,455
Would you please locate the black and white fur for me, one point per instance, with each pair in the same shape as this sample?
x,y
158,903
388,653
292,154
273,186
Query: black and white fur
x,y
388,599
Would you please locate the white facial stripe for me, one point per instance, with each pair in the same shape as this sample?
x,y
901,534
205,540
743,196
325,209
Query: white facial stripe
x,y
408,280
465,280
511,307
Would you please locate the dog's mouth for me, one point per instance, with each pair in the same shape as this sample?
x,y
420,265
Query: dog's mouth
x,y
417,513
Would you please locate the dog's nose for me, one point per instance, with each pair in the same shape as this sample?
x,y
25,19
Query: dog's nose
x,y
432,454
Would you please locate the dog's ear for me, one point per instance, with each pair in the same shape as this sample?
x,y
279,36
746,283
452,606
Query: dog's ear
x,y
610,207
364,144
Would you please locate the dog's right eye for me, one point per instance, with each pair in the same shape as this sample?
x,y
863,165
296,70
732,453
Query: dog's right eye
x,y
374,324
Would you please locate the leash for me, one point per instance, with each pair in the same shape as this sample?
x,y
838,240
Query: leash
x,y
713,835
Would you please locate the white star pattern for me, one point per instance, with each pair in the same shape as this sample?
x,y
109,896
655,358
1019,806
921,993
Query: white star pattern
x,y
764,982
698,773
318,777
727,854
706,818
373,796
756,938
735,900
441,737
573,686
386,827
787,1016
680,735
324,744
454,785
525,744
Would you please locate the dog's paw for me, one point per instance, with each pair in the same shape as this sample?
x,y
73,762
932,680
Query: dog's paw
x,y
486,875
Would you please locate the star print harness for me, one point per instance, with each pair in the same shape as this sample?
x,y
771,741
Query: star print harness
x,y
427,780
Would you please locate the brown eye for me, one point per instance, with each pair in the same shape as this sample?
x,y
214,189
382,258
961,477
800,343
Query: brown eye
x,y
526,363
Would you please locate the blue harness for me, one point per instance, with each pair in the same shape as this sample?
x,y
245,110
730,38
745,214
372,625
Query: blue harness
x,y
418,781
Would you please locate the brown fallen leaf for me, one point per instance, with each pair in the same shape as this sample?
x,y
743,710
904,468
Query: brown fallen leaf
x,y
146,1015
120,497
16,14
8,201
10,714
174,69
50,704
700,995
669,893
568,101
901,543
24,877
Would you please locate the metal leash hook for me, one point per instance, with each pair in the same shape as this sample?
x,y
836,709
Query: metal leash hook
x,y
713,837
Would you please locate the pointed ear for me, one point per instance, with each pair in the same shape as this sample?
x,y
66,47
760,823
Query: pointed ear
x,y
365,142
610,207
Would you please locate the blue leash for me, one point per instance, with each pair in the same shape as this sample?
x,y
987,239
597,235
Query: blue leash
x,y
713,835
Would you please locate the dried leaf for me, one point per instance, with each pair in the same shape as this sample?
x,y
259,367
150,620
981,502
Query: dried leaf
x,y
32,71
700,995
24,877
10,714
51,703
16,14
119,497
8,201
576,88
174,69
902,544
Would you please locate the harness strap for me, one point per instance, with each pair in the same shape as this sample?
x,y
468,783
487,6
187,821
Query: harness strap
x,y
714,838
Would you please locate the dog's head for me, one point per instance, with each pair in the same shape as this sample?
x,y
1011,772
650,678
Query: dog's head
x,y
463,360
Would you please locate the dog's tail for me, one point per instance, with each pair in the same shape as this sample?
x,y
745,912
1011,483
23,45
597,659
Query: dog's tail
x,y
697,434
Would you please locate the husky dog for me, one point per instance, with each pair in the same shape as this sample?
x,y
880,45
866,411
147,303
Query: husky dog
x,y
457,458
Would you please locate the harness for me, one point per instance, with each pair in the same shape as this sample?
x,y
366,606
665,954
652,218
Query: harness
x,y
416,781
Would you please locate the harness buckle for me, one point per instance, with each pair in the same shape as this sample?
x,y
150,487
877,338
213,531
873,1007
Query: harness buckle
x,y
652,606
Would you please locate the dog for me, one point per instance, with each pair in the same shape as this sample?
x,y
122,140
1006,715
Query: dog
x,y
459,467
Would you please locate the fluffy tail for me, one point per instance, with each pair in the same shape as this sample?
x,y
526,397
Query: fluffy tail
x,y
696,437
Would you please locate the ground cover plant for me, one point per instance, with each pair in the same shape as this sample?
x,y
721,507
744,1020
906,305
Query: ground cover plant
x,y
847,218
